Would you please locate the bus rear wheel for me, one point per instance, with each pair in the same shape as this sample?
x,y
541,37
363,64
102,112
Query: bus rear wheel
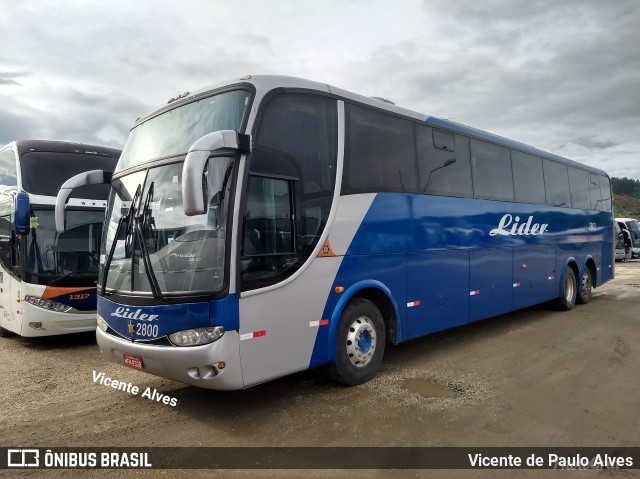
x,y
584,296
569,291
360,343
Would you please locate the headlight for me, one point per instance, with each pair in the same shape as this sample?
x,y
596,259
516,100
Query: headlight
x,y
196,337
102,324
47,304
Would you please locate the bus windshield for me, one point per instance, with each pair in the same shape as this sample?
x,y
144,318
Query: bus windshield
x,y
158,248
43,172
64,258
173,132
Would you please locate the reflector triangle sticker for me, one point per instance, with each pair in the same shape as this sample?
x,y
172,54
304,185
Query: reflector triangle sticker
x,y
326,250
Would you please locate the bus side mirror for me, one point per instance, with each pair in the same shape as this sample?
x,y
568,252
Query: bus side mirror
x,y
93,177
21,214
223,142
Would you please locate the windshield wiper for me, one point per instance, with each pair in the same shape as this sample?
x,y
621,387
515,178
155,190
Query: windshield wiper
x,y
128,219
75,274
144,219
153,280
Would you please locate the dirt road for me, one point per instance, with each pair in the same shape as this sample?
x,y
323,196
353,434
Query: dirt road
x,y
532,378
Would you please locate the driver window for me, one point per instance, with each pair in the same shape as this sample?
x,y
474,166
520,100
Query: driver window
x,y
268,245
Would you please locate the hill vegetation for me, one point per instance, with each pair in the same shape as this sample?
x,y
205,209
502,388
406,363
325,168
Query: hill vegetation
x,y
626,197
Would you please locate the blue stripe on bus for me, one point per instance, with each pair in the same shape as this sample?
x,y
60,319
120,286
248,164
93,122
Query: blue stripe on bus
x,y
438,252
172,317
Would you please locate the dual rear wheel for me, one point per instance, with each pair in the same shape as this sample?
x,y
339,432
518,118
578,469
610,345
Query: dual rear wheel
x,y
570,293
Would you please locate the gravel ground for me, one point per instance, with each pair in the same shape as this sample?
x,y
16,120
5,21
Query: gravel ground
x,y
531,378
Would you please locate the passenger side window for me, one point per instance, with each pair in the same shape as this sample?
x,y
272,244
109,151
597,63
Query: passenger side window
x,y
594,192
268,228
380,153
556,181
605,191
268,249
5,241
444,167
579,188
528,178
491,169
290,186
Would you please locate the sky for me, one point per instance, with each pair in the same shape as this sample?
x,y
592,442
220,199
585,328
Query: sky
x,y
563,76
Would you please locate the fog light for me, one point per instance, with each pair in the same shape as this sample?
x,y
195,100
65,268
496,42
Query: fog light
x,y
102,324
196,337
35,325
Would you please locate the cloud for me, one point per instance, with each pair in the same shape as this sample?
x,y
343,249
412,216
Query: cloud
x,y
562,76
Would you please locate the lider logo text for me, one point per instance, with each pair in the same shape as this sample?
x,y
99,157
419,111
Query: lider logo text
x,y
511,226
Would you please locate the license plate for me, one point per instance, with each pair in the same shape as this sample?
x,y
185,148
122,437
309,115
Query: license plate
x,y
132,361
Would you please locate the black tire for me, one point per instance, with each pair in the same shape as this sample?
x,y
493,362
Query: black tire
x,y
360,343
569,291
586,290
4,333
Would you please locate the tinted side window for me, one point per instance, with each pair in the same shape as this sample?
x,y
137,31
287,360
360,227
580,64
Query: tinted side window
x,y
454,179
556,181
304,129
605,191
594,192
5,241
443,141
579,188
491,169
528,178
380,153
290,186
8,169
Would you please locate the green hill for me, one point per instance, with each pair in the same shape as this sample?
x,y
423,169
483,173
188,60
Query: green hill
x,y
626,206
626,197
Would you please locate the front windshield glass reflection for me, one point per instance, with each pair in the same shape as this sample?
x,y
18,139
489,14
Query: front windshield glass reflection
x,y
73,255
186,253
173,132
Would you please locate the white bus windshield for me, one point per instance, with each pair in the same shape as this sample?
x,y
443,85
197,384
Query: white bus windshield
x,y
184,253
74,254
173,132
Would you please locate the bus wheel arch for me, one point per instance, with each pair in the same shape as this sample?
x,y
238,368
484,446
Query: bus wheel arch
x,y
362,324
588,281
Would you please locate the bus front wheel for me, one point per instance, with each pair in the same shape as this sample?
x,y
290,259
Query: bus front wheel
x,y
569,291
360,343
4,332
584,296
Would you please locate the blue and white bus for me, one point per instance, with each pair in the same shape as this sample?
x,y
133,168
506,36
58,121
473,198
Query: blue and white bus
x,y
48,280
270,224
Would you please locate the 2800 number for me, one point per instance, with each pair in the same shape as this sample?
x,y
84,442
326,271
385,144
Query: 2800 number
x,y
149,330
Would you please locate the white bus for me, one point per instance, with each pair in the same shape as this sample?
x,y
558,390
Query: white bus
x,y
632,226
48,280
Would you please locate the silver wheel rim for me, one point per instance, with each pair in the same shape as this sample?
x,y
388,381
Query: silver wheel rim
x,y
361,342
568,288
586,284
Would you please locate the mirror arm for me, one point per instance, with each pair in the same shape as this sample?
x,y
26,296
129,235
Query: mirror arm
x,y
94,177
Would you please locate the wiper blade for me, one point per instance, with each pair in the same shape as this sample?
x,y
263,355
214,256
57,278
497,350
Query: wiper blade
x,y
73,274
123,219
143,221
153,280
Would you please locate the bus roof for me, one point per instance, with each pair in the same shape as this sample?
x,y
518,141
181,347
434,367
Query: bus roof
x,y
265,83
25,146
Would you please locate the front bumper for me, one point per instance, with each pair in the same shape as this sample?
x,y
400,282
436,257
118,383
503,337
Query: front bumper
x,y
195,365
52,323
